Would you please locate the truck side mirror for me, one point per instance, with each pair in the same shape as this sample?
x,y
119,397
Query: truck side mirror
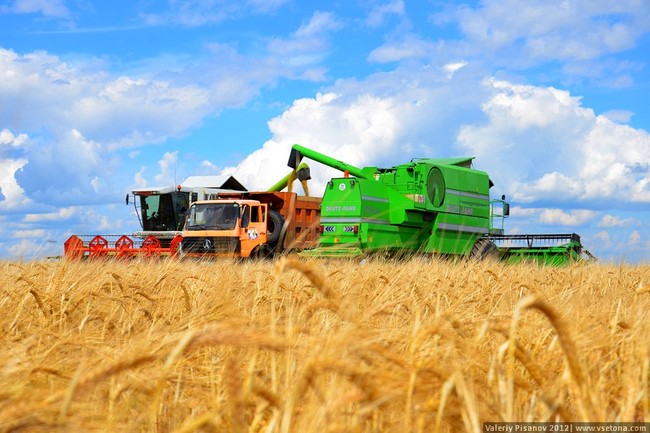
x,y
506,209
127,199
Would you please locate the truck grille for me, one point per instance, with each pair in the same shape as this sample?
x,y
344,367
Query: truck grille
x,y
211,245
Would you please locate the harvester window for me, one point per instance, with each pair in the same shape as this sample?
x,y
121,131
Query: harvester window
x,y
180,201
158,213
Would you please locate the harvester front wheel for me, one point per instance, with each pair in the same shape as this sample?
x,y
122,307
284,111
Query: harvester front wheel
x,y
484,249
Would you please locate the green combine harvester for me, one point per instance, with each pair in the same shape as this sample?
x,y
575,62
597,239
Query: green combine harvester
x,y
427,206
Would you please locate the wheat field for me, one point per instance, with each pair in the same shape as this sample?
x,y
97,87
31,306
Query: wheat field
x,y
320,346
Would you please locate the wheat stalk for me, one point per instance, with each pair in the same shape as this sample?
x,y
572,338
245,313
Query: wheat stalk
x,y
569,348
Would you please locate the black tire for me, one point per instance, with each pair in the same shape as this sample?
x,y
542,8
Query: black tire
x,y
274,227
484,249
261,252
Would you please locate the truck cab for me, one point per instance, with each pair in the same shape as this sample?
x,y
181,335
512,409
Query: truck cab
x,y
225,228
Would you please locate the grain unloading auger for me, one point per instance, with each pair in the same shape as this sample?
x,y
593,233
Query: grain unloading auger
x,y
434,206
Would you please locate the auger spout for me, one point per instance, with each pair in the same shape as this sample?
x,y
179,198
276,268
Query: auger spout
x,y
302,173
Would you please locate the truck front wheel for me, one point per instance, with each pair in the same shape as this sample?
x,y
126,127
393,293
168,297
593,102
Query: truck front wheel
x,y
261,252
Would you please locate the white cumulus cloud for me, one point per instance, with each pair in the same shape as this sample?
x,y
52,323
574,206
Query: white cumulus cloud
x,y
11,194
380,12
9,139
571,218
543,144
616,221
48,8
167,165
579,29
356,131
35,233
309,44
60,215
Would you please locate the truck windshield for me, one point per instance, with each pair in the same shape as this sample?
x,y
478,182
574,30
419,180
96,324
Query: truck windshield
x,y
213,216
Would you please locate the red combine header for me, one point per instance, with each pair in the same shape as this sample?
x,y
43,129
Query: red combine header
x,y
120,247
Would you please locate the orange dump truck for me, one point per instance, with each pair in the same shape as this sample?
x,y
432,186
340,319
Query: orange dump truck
x,y
251,224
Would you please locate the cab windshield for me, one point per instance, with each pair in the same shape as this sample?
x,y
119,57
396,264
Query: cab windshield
x,y
213,216
163,212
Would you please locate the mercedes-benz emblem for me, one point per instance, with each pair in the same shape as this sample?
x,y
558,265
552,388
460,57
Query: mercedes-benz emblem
x,y
207,245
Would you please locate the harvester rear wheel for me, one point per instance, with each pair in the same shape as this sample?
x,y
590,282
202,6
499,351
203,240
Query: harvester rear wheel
x,y
484,249
274,227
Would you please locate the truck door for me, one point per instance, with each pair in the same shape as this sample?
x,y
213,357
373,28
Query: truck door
x,y
253,225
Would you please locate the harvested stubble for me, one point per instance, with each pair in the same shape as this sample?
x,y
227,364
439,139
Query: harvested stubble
x,y
320,346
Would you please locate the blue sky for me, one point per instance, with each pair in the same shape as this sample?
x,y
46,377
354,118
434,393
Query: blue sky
x,y
98,98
